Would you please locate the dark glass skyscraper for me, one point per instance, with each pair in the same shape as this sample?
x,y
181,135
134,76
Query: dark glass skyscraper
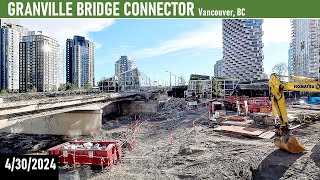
x,y
80,62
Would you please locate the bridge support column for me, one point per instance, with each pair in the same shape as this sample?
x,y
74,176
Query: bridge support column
x,y
82,122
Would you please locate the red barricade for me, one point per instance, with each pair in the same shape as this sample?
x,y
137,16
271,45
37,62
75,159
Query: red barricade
x,y
105,157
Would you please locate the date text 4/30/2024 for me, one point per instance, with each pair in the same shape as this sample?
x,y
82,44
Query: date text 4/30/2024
x,y
23,166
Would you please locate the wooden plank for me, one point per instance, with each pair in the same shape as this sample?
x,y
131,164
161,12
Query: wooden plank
x,y
240,130
267,135
237,123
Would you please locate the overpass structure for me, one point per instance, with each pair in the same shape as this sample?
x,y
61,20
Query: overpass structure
x,y
67,115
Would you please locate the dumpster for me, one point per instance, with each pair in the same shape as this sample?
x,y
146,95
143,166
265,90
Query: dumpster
x,y
87,153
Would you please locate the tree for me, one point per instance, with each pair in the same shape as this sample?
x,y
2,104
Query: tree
x,y
216,87
54,88
32,90
62,87
280,69
70,86
88,86
4,91
67,86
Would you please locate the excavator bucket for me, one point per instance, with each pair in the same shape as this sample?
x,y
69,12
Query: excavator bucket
x,y
292,145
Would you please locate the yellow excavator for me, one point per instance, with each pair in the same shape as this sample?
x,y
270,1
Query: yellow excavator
x,y
284,139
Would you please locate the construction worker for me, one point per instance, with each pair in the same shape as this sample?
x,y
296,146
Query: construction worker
x,y
238,108
246,107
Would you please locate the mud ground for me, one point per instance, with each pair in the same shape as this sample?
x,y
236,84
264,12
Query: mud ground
x,y
199,154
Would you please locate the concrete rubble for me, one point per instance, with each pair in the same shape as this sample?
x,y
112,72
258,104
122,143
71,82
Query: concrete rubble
x,y
85,146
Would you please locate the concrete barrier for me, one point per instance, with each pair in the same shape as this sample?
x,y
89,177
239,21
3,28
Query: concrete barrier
x,y
70,124
139,107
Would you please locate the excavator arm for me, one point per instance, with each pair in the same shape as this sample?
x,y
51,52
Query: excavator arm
x,y
284,139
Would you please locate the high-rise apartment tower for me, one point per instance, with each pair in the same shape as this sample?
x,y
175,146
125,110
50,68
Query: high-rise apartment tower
x,y
305,47
242,49
41,63
10,37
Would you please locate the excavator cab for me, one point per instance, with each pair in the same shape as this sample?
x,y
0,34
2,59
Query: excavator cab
x,y
284,139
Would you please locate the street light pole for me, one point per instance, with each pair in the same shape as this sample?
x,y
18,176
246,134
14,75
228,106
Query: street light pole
x,y
175,80
170,77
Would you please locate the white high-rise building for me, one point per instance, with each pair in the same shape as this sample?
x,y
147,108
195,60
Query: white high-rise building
x,y
305,47
10,36
40,63
218,69
80,62
242,49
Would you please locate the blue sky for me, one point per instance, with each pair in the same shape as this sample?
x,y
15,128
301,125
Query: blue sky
x,y
182,46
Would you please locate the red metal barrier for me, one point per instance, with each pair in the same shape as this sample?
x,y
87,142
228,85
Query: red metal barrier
x,y
106,157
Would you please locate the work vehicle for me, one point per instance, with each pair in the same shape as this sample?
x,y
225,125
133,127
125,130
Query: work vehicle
x,y
284,139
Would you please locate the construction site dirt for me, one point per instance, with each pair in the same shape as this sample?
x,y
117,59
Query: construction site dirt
x,y
180,143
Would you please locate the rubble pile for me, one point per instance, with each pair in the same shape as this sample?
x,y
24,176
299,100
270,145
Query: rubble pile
x,y
22,97
12,97
174,108
175,104
84,146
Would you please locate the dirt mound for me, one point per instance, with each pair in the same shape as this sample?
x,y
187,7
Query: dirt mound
x,y
27,143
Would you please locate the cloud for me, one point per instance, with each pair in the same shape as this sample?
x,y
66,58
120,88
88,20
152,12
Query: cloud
x,y
112,54
61,29
208,37
276,31
97,45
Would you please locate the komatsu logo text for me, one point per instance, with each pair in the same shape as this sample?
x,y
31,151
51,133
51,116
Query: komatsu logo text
x,y
304,86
